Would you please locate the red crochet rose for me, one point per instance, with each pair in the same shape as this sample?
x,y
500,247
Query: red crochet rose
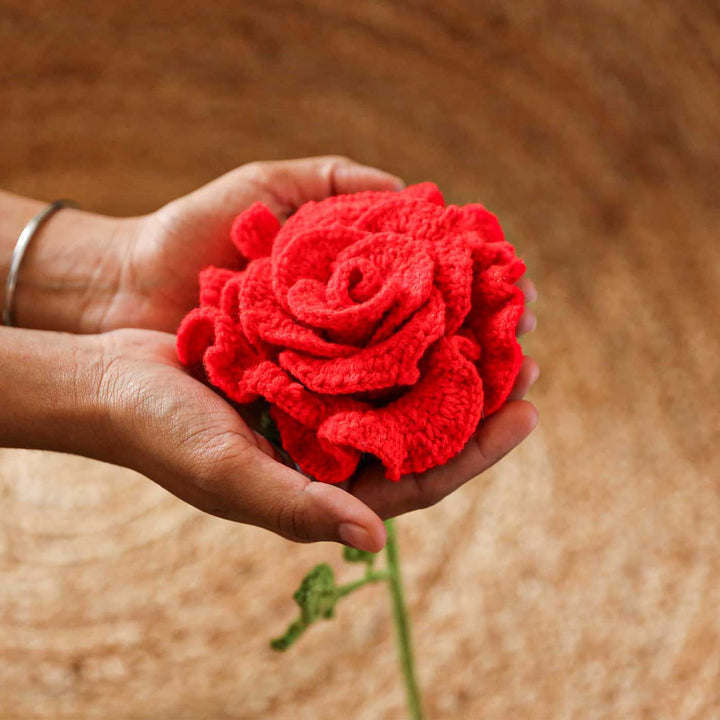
x,y
378,322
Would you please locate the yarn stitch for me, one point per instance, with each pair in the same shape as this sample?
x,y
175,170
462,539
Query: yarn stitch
x,y
376,322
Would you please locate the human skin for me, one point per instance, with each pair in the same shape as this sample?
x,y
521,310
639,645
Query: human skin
x,y
94,370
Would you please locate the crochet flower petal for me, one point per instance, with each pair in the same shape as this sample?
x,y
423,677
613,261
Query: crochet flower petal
x,y
499,268
254,230
316,457
230,296
453,269
427,191
402,214
379,323
337,210
426,426
208,336
354,280
195,335
350,325
386,364
497,307
435,226
394,257
502,354
468,345
309,256
408,282
478,219
212,280
309,408
266,322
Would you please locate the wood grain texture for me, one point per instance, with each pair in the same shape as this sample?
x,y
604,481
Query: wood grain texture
x,y
578,579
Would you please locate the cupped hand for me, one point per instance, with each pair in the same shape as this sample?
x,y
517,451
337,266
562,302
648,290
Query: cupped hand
x,y
100,274
159,278
196,444
87,273
174,429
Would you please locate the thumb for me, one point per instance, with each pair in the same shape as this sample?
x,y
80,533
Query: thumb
x,y
271,495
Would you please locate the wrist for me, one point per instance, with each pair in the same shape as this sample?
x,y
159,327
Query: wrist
x,y
48,384
71,274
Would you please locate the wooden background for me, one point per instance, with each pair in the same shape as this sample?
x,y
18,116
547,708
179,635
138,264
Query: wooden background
x,y
581,577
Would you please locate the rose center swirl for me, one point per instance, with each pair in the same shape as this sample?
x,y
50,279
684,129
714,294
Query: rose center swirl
x,y
353,281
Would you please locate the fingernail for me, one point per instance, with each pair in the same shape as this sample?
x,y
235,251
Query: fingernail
x,y
356,536
534,374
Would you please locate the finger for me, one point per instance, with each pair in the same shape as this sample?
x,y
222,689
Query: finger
x,y
527,322
528,375
528,288
213,460
268,494
283,185
295,182
497,436
265,446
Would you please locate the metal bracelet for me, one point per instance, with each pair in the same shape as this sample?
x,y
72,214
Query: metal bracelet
x,y
27,234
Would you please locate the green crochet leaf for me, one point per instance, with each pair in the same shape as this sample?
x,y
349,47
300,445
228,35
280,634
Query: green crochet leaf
x,y
317,594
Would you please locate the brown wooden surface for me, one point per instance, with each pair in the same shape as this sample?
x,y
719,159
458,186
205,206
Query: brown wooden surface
x,y
580,578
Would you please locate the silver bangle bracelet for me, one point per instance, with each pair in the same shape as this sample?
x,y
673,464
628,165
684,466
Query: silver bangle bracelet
x,y
27,234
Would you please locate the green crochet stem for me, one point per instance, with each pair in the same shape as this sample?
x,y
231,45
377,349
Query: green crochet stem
x,y
318,594
402,623
371,577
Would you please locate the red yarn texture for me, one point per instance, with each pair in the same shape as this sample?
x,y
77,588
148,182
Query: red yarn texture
x,y
377,322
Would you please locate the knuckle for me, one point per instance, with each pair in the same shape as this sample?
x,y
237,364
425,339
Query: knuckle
x,y
481,459
337,159
252,167
329,171
425,493
255,172
264,177
333,163
292,522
